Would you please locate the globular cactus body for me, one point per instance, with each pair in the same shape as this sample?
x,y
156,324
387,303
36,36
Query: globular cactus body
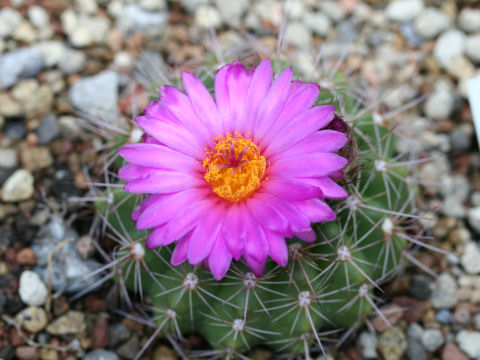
x,y
327,284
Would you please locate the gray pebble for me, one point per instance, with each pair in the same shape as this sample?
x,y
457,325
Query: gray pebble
x,y
101,354
443,316
19,64
431,22
420,286
444,294
48,129
432,339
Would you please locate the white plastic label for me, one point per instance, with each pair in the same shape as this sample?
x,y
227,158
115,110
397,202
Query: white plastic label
x,y
473,88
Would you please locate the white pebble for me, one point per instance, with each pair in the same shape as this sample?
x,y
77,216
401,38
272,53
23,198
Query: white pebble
x,y
403,10
448,46
32,290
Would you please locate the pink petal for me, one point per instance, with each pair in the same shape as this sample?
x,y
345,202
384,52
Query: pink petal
x,y
204,235
278,248
158,156
320,141
330,189
234,230
163,181
308,236
157,238
149,200
316,210
299,128
289,189
256,246
257,268
168,206
267,215
308,165
203,103
259,86
219,259
179,255
172,135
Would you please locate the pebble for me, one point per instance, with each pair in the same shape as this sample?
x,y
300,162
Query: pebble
x,y
392,343
27,352
432,339
135,18
473,216
403,10
83,30
440,102
35,99
476,321
298,35
32,290
9,20
19,64
25,32
443,316
130,348
101,354
72,322
431,22
18,187
451,352
8,158
469,20
192,5
36,158
8,106
444,294
367,345
33,319
232,11
470,258
461,137
332,9
72,61
415,349
473,48
207,17
410,34
449,45
97,96
100,333
420,286
48,129
319,23
469,342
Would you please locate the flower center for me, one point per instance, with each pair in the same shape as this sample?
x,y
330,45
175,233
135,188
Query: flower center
x,y
234,168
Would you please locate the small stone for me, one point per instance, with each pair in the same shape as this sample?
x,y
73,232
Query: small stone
x,y
410,34
27,353
8,158
473,216
83,30
123,59
207,17
469,20
431,22
86,6
100,333
439,104
461,316
432,339
192,5
451,351
35,99
476,321
36,158
444,294
48,129
38,16
8,106
319,23
473,48
72,61
18,187
420,286
9,20
367,345
403,10
25,32
135,18
392,313
470,258
48,354
294,9
130,348
32,290
72,322
332,9
26,257
118,333
392,344
101,354
297,34
469,342
415,349
449,45
97,96
19,64
461,137
444,316
33,319
232,12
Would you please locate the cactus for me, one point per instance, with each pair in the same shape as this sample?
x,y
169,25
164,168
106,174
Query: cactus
x,y
326,287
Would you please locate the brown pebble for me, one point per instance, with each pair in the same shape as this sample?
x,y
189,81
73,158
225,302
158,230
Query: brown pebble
x,y
100,333
15,338
392,312
415,309
26,257
451,352
48,354
353,354
27,353
60,306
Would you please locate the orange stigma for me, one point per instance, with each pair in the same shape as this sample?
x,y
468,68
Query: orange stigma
x,y
235,168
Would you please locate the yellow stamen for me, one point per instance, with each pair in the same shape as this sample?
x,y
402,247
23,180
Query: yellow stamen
x,y
234,168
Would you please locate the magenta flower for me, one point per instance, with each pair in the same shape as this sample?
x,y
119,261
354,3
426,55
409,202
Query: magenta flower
x,y
234,176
